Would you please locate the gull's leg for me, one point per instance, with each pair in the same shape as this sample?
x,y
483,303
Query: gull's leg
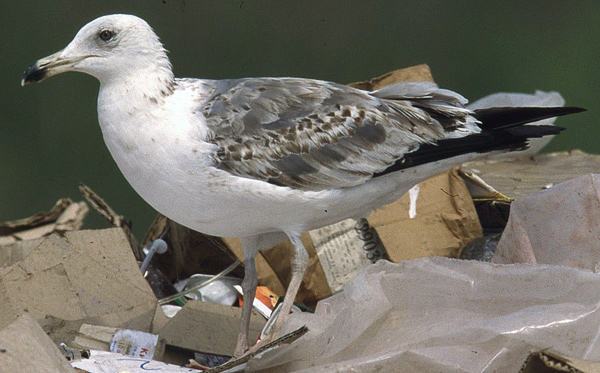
x,y
249,288
299,265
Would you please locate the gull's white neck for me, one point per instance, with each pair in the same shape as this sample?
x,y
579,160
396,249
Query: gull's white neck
x,y
146,122
150,85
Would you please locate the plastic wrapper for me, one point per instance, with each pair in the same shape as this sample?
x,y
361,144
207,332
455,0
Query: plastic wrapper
x,y
221,291
439,314
559,225
539,98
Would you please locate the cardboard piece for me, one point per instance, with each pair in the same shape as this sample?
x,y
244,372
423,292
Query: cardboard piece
x,y
66,215
418,73
346,248
81,277
522,176
112,218
24,348
94,337
15,252
208,328
444,222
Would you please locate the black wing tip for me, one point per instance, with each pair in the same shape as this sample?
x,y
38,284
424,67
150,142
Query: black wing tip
x,y
559,110
574,109
535,131
503,128
506,117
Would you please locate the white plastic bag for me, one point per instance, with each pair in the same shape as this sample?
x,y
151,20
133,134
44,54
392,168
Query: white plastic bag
x,y
560,225
439,314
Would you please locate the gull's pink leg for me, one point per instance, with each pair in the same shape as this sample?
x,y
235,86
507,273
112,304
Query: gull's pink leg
x,y
299,264
249,288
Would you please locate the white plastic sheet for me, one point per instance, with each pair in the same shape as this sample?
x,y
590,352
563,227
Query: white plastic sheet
x,y
439,314
560,225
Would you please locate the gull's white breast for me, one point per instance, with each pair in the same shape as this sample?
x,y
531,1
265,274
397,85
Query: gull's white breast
x,y
160,149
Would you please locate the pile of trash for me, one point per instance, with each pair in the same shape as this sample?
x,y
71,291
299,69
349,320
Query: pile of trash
x,y
488,267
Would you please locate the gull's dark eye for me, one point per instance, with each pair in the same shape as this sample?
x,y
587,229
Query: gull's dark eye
x,y
106,35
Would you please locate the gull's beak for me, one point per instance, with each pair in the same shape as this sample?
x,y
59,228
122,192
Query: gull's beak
x,y
49,66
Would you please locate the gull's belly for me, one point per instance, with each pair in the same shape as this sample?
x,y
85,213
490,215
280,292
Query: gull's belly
x,y
217,203
227,208
180,185
230,206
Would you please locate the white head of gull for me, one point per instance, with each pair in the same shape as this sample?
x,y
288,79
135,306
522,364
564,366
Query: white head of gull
x,y
265,159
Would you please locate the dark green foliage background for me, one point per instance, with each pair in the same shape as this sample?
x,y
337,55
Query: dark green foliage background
x,y
49,136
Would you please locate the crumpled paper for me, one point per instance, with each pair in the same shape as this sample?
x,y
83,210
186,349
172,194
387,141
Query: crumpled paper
x,y
559,225
439,314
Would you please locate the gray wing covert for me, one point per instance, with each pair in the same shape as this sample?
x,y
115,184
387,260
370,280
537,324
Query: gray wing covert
x,y
315,135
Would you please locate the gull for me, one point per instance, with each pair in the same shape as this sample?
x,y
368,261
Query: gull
x,y
265,159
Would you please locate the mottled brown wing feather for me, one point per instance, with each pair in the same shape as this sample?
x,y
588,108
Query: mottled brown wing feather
x,y
315,135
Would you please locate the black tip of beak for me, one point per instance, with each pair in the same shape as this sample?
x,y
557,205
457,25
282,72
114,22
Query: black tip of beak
x,y
33,74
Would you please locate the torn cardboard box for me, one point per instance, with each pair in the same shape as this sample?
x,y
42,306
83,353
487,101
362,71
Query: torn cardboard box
x,y
418,73
522,176
24,347
66,215
444,220
83,276
208,328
